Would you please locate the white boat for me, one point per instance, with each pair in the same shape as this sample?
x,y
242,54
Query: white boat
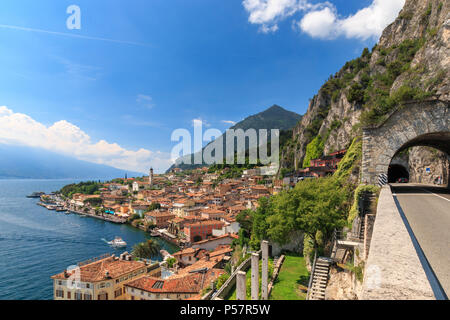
x,y
117,243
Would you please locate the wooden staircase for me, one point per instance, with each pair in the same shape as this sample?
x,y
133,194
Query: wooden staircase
x,y
319,279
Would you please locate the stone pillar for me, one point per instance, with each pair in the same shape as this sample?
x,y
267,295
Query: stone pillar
x,y
265,270
255,276
241,285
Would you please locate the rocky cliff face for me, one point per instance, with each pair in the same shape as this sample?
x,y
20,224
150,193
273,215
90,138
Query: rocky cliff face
x,y
410,62
421,158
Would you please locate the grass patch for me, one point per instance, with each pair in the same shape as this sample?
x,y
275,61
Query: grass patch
x,y
292,277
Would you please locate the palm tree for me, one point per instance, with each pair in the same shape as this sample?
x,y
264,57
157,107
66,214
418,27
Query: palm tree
x,y
146,250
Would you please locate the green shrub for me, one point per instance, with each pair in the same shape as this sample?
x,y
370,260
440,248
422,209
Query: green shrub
x,y
356,93
221,280
427,13
354,211
351,158
314,150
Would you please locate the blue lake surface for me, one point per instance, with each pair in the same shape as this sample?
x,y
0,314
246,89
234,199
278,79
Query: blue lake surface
x,y
36,243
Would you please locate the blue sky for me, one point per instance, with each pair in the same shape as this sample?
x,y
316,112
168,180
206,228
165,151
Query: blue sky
x,y
168,62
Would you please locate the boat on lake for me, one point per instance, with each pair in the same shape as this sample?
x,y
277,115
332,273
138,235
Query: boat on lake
x,y
154,233
36,194
117,243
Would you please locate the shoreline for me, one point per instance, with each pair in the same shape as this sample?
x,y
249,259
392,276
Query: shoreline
x,y
119,221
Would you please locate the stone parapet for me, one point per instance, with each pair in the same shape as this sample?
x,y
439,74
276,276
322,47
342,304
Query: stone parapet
x,y
393,270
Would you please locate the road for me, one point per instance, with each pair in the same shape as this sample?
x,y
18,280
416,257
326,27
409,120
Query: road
x,y
427,210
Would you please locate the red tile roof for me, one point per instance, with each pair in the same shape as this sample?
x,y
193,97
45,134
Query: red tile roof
x,y
97,271
191,283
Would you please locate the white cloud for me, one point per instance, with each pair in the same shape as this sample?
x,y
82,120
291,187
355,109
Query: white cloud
x,y
371,21
319,24
267,13
145,101
321,20
229,122
65,138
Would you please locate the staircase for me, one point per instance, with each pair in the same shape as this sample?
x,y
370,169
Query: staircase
x,y
319,279
362,229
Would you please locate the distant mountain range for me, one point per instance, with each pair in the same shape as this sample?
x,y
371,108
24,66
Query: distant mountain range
x,y
275,117
32,163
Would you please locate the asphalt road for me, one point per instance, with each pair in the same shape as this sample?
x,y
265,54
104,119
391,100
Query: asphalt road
x,y
427,210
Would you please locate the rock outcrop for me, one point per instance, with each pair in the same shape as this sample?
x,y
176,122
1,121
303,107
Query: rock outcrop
x,y
427,165
410,62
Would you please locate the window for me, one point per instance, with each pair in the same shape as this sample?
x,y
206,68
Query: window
x,y
87,296
118,293
78,296
69,295
103,296
60,293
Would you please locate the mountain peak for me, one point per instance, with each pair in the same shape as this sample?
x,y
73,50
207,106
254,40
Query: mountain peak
x,y
274,117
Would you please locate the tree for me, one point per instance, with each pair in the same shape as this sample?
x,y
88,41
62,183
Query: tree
x,y
260,225
95,202
171,262
146,250
154,206
316,207
245,220
134,217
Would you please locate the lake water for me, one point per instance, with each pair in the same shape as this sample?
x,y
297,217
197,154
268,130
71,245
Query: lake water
x,y
36,243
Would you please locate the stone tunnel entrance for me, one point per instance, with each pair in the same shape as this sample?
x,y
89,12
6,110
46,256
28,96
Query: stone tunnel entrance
x,y
416,124
397,172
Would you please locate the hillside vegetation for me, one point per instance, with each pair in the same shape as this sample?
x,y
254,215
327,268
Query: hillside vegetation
x,y
409,63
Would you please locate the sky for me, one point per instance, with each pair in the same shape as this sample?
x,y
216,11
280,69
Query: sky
x,y
113,88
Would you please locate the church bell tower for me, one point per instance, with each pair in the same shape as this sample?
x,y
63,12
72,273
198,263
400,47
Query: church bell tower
x,y
150,177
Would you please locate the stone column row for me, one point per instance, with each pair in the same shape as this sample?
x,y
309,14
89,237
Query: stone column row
x,y
241,282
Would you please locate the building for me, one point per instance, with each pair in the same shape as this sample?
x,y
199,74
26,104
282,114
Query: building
x,y
150,178
213,243
323,166
159,218
101,278
231,226
201,230
181,206
191,256
178,287
212,214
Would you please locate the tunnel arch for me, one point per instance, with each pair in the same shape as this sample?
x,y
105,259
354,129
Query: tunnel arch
x,y
396,172
424,123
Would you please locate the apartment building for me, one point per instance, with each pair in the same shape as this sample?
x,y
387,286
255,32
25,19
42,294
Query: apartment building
x,y
101,278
